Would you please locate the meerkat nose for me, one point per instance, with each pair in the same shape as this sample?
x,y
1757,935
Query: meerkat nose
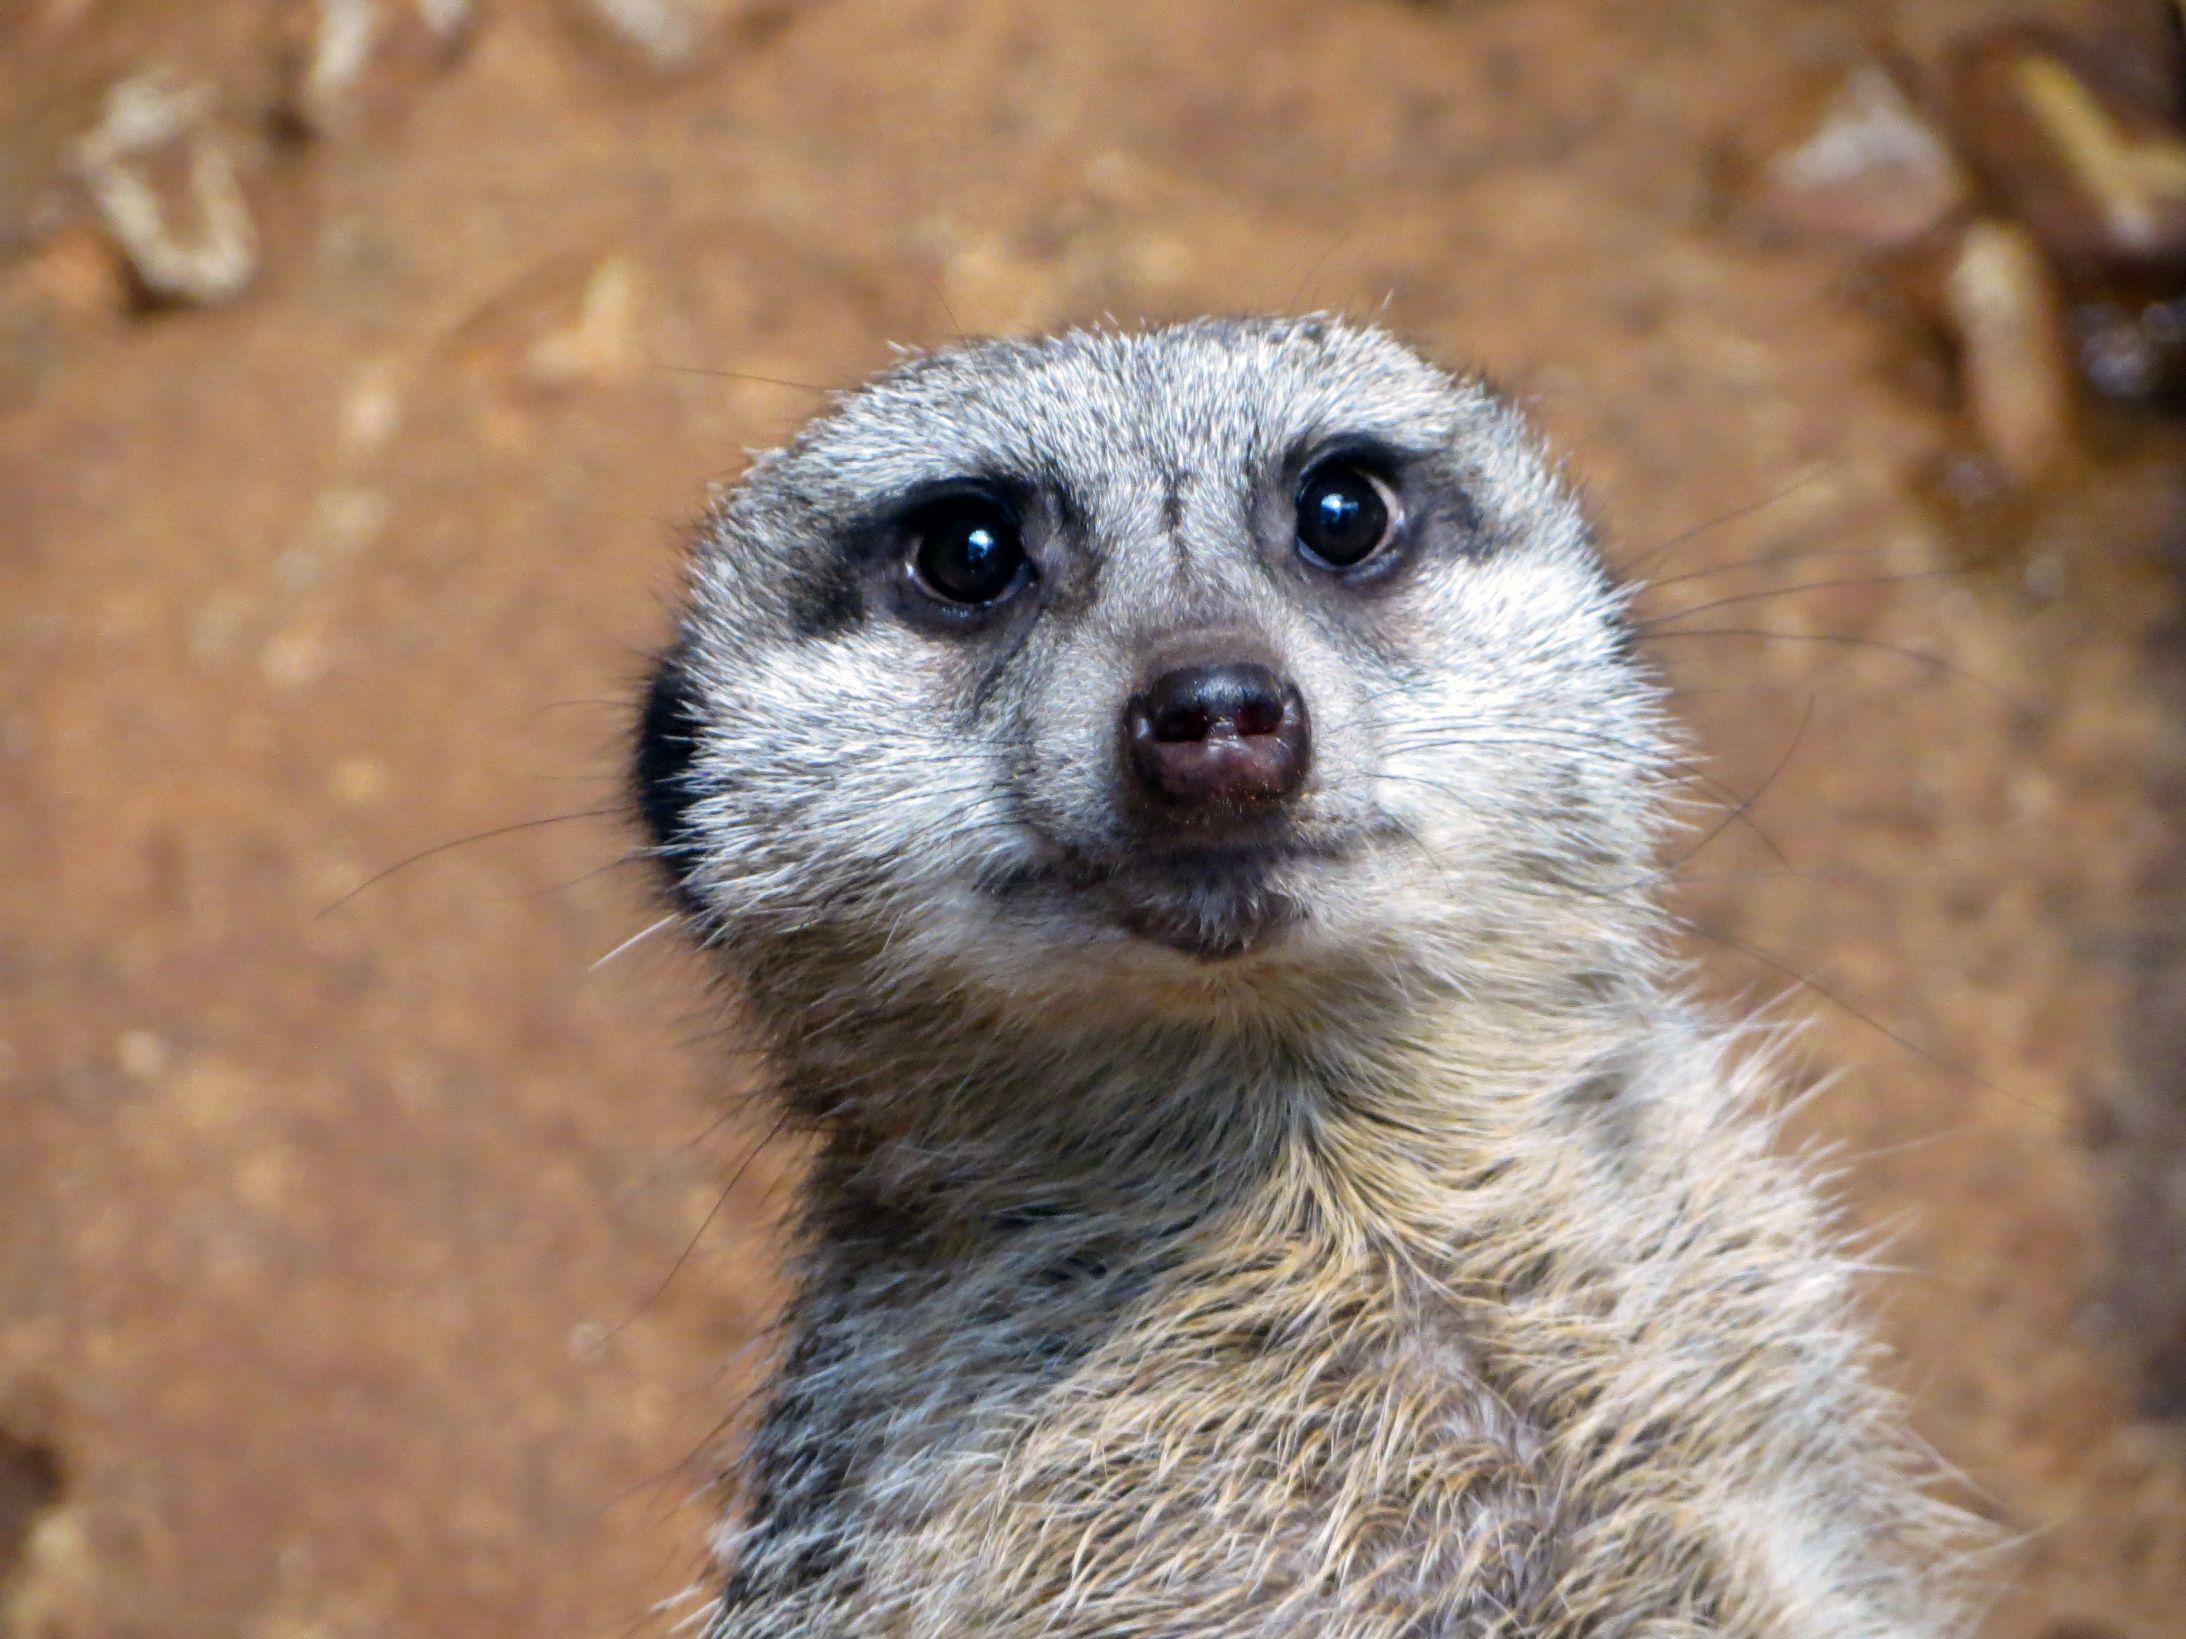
x,y
1218,737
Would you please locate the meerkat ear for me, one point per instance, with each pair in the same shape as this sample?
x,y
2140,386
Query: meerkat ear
x,y
667,747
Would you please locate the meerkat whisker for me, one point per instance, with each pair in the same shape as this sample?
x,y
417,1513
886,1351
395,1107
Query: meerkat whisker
x,y
1659,621
1838,554
1660,553
636,939
439,848
1924,657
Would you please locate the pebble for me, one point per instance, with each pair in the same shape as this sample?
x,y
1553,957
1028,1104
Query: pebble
x,y
1862,162
2134,350
357,65
666,36
2006,312
164,187
605,343
2098,176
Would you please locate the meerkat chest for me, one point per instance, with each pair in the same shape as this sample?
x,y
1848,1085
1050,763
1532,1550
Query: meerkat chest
x,y
1271,1440
1247,1461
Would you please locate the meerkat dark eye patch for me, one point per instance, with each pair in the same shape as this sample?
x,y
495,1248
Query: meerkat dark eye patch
x,y
669,726
827,604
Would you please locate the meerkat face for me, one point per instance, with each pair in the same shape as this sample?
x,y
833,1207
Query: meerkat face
x,y
1208,661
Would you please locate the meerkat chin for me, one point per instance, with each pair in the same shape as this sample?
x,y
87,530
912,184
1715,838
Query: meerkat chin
x,y
1180,808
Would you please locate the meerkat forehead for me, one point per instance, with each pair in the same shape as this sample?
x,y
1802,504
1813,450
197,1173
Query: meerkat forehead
x,y
1208,401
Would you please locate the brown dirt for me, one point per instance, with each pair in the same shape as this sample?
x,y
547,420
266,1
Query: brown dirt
x,y
342,1274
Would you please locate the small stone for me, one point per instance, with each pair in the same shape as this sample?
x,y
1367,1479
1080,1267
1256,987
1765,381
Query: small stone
x,y
55,1572
1859,161
666,36
2100,177
371,412
2134,351
165,189
2006,312
357,65
605,343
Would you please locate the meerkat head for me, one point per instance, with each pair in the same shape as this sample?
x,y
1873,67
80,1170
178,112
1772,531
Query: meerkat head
x,y
1217,665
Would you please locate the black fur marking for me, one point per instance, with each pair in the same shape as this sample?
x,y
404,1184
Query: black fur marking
x,y
1172,504
667,745
802,1470
1454,515
827,605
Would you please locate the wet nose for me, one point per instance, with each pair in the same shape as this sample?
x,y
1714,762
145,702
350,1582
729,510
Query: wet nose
x,y
1216,738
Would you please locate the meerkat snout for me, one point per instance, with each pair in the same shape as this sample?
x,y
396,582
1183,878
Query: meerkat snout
x,y
1219,740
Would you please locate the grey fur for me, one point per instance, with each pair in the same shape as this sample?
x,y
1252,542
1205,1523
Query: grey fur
x,y
1382,1248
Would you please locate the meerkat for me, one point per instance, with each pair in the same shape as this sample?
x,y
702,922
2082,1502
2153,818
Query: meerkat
x,y
1180,808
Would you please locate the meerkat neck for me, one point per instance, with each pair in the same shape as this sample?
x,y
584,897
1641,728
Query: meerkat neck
x,y
969,1118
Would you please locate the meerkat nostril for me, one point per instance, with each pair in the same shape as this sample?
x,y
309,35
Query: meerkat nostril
x,y
1225,736
1175,725
1260,716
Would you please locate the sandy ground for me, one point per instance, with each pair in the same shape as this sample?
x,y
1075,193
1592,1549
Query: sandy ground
x,y
368,1270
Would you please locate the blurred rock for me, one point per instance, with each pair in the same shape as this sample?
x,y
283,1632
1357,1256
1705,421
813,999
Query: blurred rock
x,y
1853,157
358,64
2139,47
2098,175
604,344
2006,314
666,36
163,183
2134,351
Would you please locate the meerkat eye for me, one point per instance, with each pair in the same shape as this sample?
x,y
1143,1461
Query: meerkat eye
x,y
1345,515
968,550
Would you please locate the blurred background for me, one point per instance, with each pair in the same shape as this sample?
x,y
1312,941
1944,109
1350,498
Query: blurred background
x,y
386,1253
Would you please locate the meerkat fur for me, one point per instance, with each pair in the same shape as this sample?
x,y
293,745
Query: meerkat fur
x,y
1344,1227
